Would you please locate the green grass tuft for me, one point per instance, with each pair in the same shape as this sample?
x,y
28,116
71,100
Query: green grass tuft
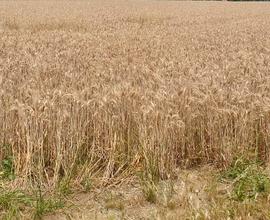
x,y
248,179
12,203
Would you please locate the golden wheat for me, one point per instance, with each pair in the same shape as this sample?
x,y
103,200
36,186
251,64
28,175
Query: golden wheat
x,y
106,89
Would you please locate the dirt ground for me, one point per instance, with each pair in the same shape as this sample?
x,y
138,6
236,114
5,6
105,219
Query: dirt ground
x,y
174,200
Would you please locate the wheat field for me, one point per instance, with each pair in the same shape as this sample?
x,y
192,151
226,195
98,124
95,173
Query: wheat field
x,y
108,89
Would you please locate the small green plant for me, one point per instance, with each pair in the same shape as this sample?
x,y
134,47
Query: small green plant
x,y
7,168
64,186
248,179
87,184
150,177
7,163
44,206
12,202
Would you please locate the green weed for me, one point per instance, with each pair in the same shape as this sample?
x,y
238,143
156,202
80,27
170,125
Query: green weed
x,y
12,203
7,164
44,206
248,179
64,186
7,168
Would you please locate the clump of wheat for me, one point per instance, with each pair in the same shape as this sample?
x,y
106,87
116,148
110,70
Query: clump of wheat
x,y
107,90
